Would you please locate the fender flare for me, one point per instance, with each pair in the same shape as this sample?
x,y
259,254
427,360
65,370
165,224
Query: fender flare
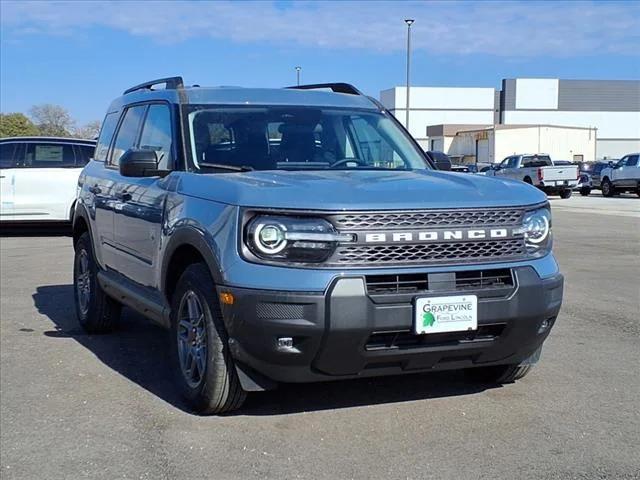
x,y
80,212
194,238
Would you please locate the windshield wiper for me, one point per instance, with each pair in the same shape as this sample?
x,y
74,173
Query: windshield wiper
x,y
221,166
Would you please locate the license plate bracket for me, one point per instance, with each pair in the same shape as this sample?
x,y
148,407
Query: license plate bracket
x,y
455,313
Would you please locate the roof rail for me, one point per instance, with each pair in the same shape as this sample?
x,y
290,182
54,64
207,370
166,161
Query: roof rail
x,y
334,87
171,83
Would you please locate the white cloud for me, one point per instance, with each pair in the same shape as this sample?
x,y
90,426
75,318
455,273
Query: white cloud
x,y
510,29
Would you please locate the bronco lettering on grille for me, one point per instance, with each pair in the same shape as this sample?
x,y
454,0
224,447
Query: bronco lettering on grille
x,y
438,235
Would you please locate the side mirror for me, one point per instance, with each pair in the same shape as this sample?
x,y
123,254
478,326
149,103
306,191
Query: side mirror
x,y
443,164
611,164
139,163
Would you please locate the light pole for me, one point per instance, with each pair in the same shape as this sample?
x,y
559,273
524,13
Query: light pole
x,y
409,22
298,75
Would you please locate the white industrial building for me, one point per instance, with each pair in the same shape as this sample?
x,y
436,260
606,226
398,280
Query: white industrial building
x,y
606,112
489,144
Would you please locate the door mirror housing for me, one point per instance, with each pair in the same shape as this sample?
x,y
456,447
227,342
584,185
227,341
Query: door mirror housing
x,y
139,163
442,163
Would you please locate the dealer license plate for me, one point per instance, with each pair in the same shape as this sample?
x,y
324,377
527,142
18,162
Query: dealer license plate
x,y
446,314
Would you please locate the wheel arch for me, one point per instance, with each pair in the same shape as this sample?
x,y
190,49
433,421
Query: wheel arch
x,y
186,247
80,223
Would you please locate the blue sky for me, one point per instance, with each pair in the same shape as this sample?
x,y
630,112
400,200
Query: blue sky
x,y
82,54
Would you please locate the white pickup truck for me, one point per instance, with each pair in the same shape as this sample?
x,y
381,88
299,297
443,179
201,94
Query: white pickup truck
x,y
538,170
623,176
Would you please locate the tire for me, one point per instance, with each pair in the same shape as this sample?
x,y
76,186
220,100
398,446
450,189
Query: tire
x,y
527,180
608,190
211,385
566,193
498,373
96,311
585,191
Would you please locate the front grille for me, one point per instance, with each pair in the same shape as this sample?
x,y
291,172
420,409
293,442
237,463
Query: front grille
x,y
413,283
408,340
425,218
459,252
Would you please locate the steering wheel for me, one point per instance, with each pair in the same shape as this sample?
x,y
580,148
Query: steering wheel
x,y
344,161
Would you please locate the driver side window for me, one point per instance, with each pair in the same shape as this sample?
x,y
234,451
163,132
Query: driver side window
x,y
127,133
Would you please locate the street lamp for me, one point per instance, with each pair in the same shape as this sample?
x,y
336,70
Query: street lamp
x,y
409,22
298,75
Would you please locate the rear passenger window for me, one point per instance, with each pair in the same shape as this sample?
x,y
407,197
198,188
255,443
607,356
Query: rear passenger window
x,y
47,155
84,153
106,134
6,155
156,134
127,133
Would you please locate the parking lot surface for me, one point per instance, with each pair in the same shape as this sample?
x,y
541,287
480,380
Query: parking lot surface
x,y
82,406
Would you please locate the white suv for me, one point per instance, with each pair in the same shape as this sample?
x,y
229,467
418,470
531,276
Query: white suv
x,y
39,177
623,176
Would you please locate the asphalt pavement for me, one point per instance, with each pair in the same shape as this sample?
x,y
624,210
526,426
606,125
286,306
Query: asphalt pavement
x,y
76,406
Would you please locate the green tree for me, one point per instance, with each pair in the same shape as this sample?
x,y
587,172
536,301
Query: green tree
x,y
52,120
16,125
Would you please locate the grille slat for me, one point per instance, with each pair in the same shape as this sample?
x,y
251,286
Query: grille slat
x,y
416,283
421,219
408,340
428,253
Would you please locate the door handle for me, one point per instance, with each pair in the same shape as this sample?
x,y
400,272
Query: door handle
x,y
95,190
123,196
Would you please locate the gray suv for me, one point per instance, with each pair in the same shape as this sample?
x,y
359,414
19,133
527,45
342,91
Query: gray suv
x,y
301,235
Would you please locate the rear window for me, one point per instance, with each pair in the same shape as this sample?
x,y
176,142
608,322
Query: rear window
x,y
106,134
537,161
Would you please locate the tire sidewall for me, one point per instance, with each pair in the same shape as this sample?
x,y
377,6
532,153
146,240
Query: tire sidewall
x,y
83,244
193,281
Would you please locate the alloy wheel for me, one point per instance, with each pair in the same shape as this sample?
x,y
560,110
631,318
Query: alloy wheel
x,y
192,339
83,282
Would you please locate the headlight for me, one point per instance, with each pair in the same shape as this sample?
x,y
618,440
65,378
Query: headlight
x,y
536,227
292,239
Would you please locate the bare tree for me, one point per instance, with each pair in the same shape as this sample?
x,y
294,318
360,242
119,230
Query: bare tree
x,y
52,120
90,130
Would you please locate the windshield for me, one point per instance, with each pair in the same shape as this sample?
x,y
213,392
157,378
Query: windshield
x,y
298,138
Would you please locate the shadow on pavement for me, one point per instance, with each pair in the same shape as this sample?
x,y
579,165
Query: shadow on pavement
x,y
138,350
8,229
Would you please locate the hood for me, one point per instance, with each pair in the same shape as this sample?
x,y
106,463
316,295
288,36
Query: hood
x,y
359,190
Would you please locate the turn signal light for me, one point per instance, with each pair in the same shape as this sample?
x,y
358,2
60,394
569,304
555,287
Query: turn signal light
x,y
227,298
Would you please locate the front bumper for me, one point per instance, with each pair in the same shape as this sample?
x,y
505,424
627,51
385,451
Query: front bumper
x,y
346,332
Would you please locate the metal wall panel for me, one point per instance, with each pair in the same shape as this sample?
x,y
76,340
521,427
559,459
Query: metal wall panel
x,y
599,95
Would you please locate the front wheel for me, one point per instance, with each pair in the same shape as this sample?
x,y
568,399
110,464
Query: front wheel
x,y
205,370
608,190
566,193
585,191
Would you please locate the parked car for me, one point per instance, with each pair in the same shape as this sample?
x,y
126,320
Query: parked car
x,y
623,176
538,170
39,177
342,253
594,174
584,185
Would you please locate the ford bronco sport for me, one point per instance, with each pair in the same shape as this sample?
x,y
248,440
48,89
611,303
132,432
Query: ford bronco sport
x,y
301,235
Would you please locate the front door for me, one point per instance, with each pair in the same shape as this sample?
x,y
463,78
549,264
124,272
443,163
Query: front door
x,y
139,211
